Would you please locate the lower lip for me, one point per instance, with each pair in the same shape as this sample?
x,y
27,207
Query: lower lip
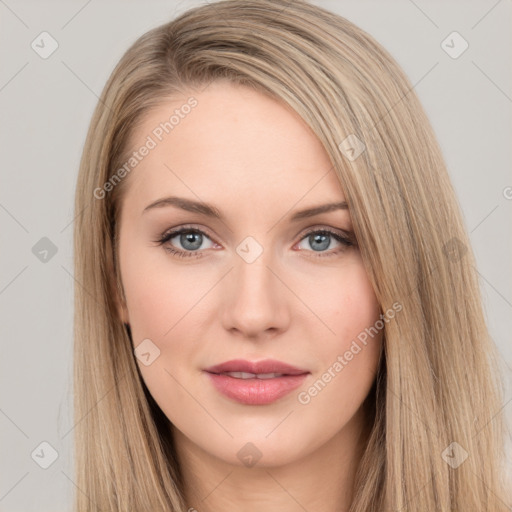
x,y
256,391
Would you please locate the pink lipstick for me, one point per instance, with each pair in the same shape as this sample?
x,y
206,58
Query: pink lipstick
x,y
255,383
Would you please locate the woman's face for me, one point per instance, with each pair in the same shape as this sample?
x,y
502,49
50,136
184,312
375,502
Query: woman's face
x,y
258,281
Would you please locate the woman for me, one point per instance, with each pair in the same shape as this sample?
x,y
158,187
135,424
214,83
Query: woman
x,y
279,294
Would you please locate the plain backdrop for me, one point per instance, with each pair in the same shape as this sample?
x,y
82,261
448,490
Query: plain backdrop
x,y
46,105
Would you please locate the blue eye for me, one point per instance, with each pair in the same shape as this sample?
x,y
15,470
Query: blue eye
x,y
191,239
320,240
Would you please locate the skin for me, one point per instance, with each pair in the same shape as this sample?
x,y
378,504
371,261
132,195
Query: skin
x,y
258,163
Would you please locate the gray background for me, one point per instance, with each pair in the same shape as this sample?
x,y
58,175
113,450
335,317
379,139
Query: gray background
x,y
46,105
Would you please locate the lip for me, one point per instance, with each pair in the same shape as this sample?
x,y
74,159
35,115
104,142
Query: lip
x,y
256,391
265,366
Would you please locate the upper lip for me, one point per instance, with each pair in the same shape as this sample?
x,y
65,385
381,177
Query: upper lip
x,y
256,367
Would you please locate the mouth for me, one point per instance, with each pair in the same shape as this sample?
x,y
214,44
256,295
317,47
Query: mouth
x,y
240,368
255,383
246,375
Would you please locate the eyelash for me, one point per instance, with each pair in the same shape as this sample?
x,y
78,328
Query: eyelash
x,y
346,242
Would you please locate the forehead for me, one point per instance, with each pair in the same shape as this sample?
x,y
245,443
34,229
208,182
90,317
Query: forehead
x,y
230,141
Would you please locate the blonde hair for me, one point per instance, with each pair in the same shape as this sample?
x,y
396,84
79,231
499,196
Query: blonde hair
x,y
439,380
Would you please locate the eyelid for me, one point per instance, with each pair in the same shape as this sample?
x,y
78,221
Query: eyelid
x,y
347,234
345,238
187,227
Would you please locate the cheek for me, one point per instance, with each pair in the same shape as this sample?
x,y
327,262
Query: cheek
x,y
359,308
158,295
161,301
346,304
349,356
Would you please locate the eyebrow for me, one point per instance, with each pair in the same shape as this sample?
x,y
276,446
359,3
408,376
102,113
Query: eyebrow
x,y
210,211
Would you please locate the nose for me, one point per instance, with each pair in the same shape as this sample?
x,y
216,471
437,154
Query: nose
x,y
256,301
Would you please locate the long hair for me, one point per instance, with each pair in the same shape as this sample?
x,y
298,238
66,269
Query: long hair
x,y
438,383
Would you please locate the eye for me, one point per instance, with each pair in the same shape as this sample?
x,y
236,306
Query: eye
x,y
191,240
321,239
